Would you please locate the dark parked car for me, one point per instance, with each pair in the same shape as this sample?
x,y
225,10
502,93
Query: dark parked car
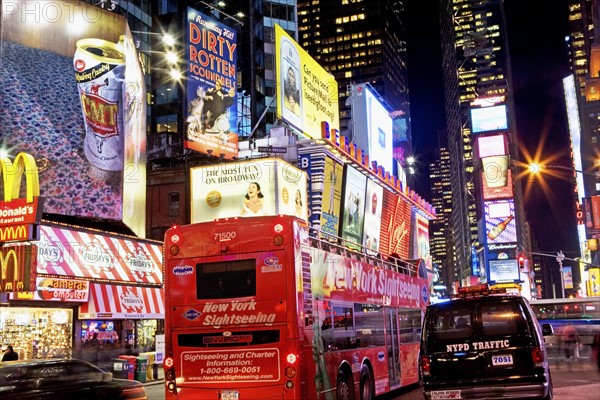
x,y
484,346
63,379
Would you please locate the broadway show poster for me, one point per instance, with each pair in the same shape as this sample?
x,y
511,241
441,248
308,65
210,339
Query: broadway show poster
x,y
354,208
211,117
247,189
332,198
73,96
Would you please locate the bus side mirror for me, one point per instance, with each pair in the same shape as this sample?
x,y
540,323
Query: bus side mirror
x,y
547,330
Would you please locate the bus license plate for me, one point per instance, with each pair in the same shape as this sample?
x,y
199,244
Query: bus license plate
x,y
504,359
229,395
445,394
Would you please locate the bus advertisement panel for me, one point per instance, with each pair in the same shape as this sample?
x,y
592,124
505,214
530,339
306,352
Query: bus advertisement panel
x,y
258,309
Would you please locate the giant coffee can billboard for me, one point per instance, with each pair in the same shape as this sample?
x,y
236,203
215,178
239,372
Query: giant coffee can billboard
x,y
73,96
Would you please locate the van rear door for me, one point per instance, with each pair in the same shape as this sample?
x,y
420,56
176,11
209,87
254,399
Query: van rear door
x,y
476,341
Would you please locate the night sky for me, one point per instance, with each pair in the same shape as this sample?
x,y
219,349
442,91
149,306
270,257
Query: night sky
x,y
536,30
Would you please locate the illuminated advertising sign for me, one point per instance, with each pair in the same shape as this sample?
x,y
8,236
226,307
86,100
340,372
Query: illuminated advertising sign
x,y
307,94
17,215
17,271
372,226
248,188
353,214
332,197
497,192
500,221
83,254
504,270
487,119
57,289
372,126
489,146
395,226
567,277
422,226
211,86
74,94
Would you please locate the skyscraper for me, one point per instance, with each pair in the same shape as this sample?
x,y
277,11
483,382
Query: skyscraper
x,y
477,76
361,42
440,232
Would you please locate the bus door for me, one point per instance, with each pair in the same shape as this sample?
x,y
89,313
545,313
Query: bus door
x,y
392,341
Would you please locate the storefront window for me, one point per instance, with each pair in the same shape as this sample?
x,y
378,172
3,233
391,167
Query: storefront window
x,y
37,332
146,332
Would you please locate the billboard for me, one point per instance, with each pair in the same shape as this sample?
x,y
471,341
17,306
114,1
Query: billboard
x,y
265,186
504,270
487,119
306,93
74,98
372,126
16,267
373,209
567,277
332,197
396,226
353,214
211,84
500,221
489,146
492,192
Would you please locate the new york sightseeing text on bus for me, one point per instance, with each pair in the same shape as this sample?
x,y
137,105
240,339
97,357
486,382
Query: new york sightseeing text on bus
x,y
256,308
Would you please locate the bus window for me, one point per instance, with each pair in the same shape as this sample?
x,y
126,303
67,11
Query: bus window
x,y
337,330
228,279
410,326
369,325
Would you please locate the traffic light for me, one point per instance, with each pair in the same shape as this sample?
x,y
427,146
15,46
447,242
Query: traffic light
x,y
522,259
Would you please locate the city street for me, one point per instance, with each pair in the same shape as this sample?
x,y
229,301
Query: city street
x,y
582,382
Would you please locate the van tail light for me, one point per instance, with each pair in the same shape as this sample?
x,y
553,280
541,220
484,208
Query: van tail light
x,y
425,366
537,355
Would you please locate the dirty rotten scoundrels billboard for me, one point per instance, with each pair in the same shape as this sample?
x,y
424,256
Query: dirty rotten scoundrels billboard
x,y
211,86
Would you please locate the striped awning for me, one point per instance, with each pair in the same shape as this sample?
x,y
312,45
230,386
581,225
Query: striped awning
x,y
120,302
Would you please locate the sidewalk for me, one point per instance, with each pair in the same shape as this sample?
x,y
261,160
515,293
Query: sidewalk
x,y
581,392
160,377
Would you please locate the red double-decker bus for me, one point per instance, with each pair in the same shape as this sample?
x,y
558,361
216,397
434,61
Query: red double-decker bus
x,y
256,308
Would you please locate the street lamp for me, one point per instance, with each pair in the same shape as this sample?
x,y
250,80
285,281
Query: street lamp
x,y
536,168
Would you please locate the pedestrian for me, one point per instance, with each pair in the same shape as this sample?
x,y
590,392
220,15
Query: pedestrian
x,y
570,339
10,354
94,346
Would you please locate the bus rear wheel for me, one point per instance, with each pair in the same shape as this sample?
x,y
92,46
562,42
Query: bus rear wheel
x,y
366,384
345,387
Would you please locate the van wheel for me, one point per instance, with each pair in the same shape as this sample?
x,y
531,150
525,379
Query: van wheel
x,y
345,387
366,384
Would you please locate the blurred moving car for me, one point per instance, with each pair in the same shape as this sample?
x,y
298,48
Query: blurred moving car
x,y
64,379
484,346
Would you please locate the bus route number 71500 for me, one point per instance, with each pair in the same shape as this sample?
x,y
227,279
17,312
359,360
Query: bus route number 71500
x,y
225,236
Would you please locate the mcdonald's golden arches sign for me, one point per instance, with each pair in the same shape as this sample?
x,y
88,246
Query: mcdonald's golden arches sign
x,y
19,214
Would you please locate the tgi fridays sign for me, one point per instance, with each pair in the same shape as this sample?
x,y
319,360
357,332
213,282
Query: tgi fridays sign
x,y
74,253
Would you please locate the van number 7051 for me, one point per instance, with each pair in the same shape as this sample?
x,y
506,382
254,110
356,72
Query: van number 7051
x,y
505,359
